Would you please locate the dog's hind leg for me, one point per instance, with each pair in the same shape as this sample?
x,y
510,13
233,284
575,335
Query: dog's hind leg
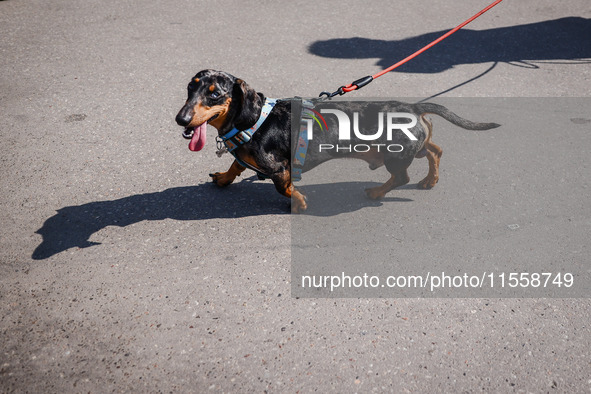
x,y
283,184
225,178
398,177
433,153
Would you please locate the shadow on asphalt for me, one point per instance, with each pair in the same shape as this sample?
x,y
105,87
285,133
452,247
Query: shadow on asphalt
x,y
74,225
331,199
551,41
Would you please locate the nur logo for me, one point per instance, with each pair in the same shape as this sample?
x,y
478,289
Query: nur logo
x,y
394,121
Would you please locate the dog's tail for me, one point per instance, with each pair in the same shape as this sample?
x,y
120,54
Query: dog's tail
x,y
432,108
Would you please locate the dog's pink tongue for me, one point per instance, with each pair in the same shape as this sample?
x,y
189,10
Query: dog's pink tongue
x,y
198,140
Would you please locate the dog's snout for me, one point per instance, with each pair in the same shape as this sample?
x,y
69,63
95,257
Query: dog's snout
x,y
183,118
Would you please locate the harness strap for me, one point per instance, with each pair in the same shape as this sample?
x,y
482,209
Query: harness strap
x,y
234,138
299,158
260,175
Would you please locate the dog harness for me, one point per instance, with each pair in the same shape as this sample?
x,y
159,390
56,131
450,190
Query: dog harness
x,y
299,157
230,141
234,138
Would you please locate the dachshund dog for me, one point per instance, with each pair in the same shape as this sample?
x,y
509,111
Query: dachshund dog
x,y
227,103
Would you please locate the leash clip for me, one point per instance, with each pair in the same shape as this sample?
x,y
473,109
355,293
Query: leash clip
x,y
329,95
357,84
221,146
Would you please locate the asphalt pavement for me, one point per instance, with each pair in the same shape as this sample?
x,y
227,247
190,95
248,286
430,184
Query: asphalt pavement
x,y
123,269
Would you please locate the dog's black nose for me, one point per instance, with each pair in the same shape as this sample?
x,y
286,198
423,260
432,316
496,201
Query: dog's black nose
x,y
184,117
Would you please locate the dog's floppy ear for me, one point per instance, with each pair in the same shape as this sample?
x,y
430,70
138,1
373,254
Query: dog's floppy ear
x,y
248,107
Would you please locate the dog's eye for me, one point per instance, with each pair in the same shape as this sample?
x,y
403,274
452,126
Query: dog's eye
x,y
214,95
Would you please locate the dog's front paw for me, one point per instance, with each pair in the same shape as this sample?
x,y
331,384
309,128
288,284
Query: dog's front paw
x,y
222,178
375,193
296,207
298,202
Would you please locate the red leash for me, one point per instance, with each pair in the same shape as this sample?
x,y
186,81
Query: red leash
x,y
358,84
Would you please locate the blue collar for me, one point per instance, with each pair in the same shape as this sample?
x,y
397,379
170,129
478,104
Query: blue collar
x,y
234,138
